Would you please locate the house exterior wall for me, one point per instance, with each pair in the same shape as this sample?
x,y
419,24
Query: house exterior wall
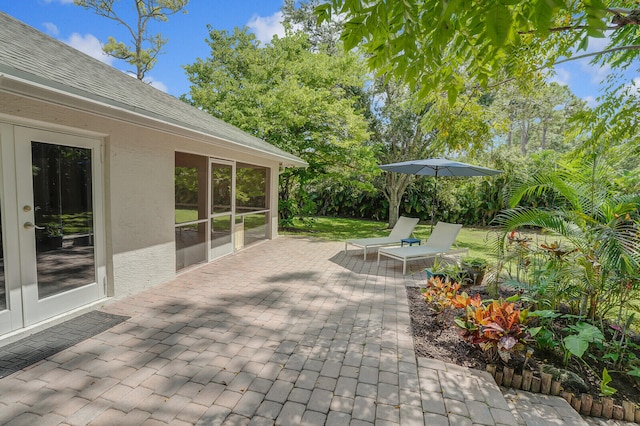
x,y
139,185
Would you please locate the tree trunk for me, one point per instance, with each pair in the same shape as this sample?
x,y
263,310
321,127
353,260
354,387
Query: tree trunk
x,y
394,209
543,143
524,137
396,184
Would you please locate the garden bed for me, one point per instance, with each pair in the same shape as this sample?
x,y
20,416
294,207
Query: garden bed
x,y
438,340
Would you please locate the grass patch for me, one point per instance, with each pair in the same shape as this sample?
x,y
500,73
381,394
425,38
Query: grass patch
x,y
477,240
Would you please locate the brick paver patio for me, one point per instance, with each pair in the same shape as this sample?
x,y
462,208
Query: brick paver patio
x,y
291,331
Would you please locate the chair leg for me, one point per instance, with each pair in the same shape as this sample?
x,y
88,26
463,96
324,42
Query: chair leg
x,y
404,267
365,253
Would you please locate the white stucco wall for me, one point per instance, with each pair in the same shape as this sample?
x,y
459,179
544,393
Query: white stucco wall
x,y
139,188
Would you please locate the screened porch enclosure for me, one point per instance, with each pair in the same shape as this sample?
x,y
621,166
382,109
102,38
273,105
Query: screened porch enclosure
x,y
220,206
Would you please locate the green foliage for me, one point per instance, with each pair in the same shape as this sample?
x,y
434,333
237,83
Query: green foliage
x,y
535,116
595,217
305,102
605,389
475,262
576,344
143,59
498,328
427,42
439,295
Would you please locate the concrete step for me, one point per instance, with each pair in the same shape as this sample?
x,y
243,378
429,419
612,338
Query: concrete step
x,y
532,409
455,395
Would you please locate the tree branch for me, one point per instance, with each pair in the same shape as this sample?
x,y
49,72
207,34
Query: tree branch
x,y
622,17
573,58
569,28
601,52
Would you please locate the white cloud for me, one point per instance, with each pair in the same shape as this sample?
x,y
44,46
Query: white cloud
x,y
598,44
51,29
157,84
596,73
561,76
265,27
90,45
151,82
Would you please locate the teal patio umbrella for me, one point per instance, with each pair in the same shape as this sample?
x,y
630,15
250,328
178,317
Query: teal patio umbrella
x,y
438,167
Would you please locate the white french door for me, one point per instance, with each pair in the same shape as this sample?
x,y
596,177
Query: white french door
x,y
52,219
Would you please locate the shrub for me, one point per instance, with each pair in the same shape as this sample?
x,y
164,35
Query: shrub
x,y
499,329
439,294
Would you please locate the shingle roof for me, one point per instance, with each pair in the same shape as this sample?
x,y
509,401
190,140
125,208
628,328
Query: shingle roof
x,y
28,54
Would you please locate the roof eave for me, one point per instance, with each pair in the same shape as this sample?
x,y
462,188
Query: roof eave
x,y
65,96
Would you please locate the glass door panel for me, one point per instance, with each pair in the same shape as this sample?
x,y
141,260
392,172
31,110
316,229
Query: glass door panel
x,y
11,317
63,212
221,214
221,236
221,175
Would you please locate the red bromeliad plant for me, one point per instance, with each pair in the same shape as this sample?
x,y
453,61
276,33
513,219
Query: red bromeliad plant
x,y
498,328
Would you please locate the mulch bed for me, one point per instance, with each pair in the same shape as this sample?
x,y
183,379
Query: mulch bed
x,y
437,340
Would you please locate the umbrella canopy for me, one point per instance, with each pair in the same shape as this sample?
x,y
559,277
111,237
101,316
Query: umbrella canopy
x,y
437,167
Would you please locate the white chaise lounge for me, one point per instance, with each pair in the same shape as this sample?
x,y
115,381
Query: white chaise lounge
x,y
403,229
438,244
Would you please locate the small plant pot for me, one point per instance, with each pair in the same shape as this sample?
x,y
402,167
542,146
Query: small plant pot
x,y
49,243
475,275
83,241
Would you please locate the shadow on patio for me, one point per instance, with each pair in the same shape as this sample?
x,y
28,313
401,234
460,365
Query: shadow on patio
x,y
275,333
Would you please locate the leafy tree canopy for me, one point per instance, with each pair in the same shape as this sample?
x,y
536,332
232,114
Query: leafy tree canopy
x,y
428,42
306,102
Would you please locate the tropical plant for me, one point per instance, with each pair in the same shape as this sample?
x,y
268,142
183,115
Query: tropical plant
x,y
543,334
439,295
474,268
605,389
499,329
577,342
593,215
475,262
619,348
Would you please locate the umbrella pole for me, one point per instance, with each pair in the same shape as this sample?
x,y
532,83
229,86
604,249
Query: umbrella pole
x,y
435,197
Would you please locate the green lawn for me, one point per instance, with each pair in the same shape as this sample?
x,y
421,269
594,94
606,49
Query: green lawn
x,y
186,215
477,240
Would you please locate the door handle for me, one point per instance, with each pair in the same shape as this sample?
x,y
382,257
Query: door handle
x,y
29,225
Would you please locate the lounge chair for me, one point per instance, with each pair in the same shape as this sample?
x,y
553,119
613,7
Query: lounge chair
x,y
438,244
403,229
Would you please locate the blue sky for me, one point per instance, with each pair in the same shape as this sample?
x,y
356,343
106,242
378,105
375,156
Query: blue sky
x,y
84,30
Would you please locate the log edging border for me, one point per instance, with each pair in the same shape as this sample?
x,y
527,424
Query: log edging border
x,y
584,404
